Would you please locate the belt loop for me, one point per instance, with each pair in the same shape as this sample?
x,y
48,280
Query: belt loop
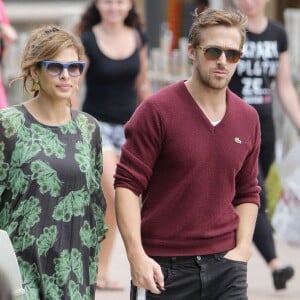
x,y
173,261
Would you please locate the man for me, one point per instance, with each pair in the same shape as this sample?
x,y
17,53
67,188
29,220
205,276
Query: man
x,y
191,152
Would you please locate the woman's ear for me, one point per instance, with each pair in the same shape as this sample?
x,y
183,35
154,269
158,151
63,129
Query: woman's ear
x,y
34,73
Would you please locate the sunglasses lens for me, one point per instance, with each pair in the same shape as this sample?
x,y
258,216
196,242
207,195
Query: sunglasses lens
x,y
232,56
213,53
75,69
54,69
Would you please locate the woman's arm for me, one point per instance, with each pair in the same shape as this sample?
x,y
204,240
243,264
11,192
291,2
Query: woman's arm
x,y
143,85
286,91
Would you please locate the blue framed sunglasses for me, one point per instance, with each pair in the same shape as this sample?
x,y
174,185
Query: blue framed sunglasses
x,y
55,68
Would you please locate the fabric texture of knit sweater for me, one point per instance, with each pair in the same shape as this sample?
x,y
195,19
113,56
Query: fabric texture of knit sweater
x,y
191,174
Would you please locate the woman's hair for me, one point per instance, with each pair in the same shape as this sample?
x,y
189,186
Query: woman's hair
x,y
91,17
44,43
214,17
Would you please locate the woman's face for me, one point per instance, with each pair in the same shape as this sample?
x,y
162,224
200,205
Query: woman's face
x,y
113,11
60,86
251,8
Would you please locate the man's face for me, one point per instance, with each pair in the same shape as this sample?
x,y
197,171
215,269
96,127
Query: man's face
x,y
212,66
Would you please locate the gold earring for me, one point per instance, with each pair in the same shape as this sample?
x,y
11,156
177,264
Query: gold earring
x,y
36,86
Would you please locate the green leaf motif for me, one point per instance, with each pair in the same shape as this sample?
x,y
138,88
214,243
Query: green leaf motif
x,y
46,240
46,178
23,242
4,166
24,151
100,221
49,141
73,290
85,127
77,266
12,227
29,210
3,170
52,290
69,128
62,267
86,163
31,279
93,269
87,295
17,182
4,216
12,120
88,235
72,205
67,262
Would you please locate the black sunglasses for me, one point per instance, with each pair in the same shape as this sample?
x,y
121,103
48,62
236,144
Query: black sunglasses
x,y
213,53
55,68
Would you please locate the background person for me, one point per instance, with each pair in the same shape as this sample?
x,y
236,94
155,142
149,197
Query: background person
x,y
264,60
51,201
8,35
193,236
116,80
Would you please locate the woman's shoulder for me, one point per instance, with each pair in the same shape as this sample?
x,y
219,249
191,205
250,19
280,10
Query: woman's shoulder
x,y
11,111
81,115
12,118
275,26
143,40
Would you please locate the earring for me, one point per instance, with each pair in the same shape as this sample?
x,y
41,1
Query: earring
x,y
36,86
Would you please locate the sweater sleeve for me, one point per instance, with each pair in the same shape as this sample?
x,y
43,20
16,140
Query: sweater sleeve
x,y
247,188
144,137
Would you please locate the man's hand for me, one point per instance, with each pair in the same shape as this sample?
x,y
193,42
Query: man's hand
x,y
146,273
239,254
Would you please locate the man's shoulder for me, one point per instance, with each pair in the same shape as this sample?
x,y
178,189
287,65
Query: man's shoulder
x,y
168,93
240,105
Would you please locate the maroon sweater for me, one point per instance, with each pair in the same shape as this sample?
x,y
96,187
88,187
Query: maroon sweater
x,y
190,173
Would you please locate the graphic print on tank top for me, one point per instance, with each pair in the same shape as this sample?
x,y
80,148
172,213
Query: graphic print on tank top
x,y
258,67
259,64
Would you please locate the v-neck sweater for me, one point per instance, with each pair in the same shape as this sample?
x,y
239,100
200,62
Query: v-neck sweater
x,y
191,174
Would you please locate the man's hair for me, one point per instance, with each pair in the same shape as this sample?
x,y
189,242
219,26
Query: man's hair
x,y
214,17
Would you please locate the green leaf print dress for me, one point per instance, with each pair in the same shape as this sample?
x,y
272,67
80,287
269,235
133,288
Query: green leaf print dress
x,y
51,202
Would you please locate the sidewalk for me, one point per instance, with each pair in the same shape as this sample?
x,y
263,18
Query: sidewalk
x,y
260,281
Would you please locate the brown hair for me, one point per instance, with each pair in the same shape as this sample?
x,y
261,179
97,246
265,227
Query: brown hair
x,y
214,17
44,43
91,17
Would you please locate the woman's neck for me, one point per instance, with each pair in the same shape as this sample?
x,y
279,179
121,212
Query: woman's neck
x,y
257,24
49,113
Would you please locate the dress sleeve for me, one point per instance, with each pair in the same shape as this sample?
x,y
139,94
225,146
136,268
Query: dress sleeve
x,y
4,161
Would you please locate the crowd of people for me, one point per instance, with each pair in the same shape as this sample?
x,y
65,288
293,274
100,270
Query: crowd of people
x,y
75,171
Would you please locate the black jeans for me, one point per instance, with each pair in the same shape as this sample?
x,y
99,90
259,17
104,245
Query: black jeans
x,y
263,234
209,277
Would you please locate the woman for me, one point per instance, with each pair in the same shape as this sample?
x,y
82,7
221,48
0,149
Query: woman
x,y
51,204
265,59
116,80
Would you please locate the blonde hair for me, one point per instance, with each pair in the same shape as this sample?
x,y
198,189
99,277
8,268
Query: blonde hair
x,y
44,43
214,17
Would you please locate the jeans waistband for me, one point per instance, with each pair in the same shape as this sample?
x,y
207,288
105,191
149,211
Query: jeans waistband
x,y
186,259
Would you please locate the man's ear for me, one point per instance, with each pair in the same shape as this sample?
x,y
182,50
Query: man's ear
x,y
191,52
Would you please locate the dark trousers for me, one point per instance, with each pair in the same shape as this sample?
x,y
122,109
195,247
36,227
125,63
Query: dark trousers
x,y
209,277
263,234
